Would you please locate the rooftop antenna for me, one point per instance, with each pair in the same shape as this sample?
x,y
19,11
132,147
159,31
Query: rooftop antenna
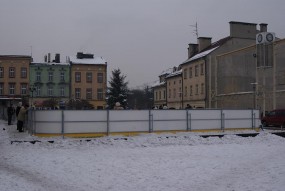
x,y
31,51
195,31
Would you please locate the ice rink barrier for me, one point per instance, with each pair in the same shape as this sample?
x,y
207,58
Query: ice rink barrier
x,y
90,123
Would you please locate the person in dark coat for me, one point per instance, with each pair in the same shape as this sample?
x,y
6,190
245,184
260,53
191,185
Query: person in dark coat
x,y
18,108
10,113
188,106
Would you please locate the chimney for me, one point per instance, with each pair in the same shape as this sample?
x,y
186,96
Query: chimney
x,y
204,42
263,27
48,57
79,55
242,30
57,58
192,49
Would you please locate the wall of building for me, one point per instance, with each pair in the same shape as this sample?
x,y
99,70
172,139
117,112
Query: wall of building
x,y
194,76
18,63
159,93
83,85
40,87
174,92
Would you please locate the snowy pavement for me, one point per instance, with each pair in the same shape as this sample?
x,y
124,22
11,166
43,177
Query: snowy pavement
x,y
148,162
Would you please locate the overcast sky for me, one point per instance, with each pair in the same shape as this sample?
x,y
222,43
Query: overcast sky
x,y
140,37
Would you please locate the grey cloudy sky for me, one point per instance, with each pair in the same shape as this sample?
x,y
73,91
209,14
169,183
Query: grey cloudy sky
x,y
141,37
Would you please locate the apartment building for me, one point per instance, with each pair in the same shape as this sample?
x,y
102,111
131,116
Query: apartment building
x,y
50,80
159,89
88,79
174,89
14,78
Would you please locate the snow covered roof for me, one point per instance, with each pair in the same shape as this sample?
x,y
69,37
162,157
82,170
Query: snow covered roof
x,y
50,63
176,73
95,60
167,71
200,55
157,83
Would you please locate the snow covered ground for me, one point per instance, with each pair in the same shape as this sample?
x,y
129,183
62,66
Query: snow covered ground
x,y
151,162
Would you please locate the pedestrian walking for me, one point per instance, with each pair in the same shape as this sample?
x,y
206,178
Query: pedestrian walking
x,y
10,113
21,118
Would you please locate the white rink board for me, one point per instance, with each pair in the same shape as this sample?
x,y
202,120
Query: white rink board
x,y
85,115
136,126
102,121
169,125
48,115
169,115
205,114
205,124
43,127
132,115
85,127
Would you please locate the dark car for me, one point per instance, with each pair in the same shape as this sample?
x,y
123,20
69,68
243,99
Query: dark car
x,y
274,118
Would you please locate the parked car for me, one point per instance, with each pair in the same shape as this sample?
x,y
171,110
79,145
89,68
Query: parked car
x,y
274,118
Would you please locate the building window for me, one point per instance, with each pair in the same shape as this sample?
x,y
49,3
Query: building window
x,y
11,89
202,88
1,89
185,91
77,77
1,72
89,77
156,96
50,91
50,76
197,89
38,91
159,95
38,76
185,73
164,94
89,93
100,94
168,83
190,72
191,90
62,91
77,93
100,77
62,76
169,95
174,93
12,72
24,89
23,72
180,93
202,69
196,70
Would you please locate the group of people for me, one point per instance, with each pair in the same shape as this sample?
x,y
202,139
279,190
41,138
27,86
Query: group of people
x,y
20,112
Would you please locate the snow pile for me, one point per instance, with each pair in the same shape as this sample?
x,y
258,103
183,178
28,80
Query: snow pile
x,y
183,161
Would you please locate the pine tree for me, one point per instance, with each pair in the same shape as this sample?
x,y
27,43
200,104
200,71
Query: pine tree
x,y
117,92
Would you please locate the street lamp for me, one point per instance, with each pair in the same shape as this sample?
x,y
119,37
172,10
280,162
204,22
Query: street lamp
x,y
32,89
254,93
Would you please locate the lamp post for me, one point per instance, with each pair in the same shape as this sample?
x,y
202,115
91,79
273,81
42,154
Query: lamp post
x,y
254,93
32,89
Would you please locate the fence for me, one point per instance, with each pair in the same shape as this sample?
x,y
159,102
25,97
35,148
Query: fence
x,y
106,122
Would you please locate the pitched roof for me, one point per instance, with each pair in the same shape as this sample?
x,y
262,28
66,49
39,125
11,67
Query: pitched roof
x,y
208,50
173,74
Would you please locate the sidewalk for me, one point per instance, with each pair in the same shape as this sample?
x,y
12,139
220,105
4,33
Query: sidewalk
x,y
10,133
